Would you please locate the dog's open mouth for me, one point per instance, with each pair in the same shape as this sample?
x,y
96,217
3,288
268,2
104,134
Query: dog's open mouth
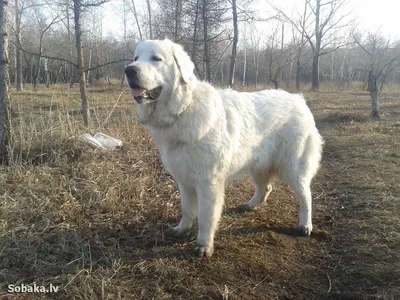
x,y
142,95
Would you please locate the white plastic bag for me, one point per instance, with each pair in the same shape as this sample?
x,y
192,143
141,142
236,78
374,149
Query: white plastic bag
x,y
103,141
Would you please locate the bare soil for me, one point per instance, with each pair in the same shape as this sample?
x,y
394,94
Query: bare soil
x,y
92,222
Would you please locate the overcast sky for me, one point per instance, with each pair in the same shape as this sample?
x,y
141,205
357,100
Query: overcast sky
x,y
370,14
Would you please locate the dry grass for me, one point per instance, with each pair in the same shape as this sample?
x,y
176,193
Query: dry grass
x,y
93,222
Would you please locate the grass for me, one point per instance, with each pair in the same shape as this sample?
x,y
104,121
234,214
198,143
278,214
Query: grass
x,y
92,222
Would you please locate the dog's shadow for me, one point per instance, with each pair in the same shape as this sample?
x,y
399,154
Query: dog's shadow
x,y
241,210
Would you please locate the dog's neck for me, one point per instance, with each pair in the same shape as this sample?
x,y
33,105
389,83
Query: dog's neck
x,y
167,109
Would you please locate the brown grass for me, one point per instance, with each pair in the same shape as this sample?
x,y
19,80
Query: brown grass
x,y
93,222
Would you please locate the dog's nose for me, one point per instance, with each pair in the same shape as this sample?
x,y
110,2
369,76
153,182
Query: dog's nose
x,y
130,71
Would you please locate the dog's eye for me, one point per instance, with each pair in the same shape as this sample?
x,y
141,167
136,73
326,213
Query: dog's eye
x,y
156,58
135,58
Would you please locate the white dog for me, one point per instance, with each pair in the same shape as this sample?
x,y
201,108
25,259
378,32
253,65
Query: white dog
x,y
207,137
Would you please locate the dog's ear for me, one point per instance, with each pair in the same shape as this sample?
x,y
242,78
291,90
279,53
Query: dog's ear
x,y
184,63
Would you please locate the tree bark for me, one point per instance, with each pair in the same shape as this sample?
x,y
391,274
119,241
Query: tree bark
x,y
125,43
36,74
71,67
81,63
234,45
137,20
5,125
317,49
18,63
207,61
244,66
194,41
373,92
177,20
150,22
300,50
315,73
298,73
46,71
89,66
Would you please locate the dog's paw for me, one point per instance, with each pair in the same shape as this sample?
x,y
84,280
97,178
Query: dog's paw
x,y
305,229
242,208
204,251
174,232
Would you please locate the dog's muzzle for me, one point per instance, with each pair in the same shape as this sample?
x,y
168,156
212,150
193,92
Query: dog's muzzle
x,y
139,93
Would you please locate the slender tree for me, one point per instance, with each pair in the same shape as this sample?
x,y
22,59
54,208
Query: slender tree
x,y
18,63
381,56
150,21
234,45
327,19
81,62
5,126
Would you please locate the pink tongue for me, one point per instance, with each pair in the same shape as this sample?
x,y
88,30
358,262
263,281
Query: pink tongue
x,y
138,92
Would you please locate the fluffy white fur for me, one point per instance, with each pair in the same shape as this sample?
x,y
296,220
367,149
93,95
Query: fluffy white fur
x,y
207,137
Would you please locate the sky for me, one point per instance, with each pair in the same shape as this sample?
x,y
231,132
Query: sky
x,y
369,14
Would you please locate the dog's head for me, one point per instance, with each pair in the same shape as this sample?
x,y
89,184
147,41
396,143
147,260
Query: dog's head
x,y
158,68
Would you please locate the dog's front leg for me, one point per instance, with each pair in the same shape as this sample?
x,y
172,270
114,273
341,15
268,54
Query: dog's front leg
x,y
211,199
189,212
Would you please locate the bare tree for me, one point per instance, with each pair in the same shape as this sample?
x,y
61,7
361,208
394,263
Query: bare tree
x,y
18,63
40,51
5,126
135,14
382,55
70,46
207,60
300,46
321,25
234,45
81,62
150,22
255,46
278,56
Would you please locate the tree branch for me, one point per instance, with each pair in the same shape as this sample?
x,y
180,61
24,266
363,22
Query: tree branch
x,y
45,56
108,63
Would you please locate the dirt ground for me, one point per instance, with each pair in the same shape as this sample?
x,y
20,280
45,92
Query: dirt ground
x,y
92,222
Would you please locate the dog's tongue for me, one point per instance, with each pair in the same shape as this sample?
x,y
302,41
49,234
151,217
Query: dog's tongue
x,y
138,92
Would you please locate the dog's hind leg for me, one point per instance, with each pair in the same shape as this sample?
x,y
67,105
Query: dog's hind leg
x,y
189,212
263,187
303,194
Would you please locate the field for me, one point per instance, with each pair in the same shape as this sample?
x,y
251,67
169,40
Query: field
x,y
92,221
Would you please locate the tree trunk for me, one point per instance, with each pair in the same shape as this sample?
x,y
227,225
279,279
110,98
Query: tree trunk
x,y
36,74
276,83
46,71
150,25
207,61
89,66
244,66
234,45
18,63
298,73
373,92
177,21
5,125
194,41
315,73
81,63
317,49
298,64
71,67
125,44
255,61
137,20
